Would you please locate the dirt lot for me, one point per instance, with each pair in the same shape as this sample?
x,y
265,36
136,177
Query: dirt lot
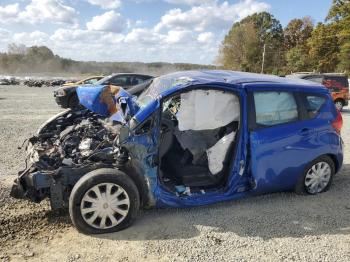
x,y
273,227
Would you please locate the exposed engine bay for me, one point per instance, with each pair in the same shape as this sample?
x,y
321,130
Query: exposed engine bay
x,y
73,139
72,144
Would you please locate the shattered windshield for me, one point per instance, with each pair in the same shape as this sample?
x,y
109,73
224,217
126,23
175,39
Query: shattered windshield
x,y
158,86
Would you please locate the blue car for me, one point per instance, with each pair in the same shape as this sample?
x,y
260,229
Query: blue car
x,y
195,138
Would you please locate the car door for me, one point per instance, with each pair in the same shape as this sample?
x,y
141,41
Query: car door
x,y
279,140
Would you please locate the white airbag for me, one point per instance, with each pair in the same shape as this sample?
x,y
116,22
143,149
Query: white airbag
x,y
207,109
217,153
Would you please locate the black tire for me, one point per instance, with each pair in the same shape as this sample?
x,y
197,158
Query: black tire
x,y
341,104
73,101
301,188
103,175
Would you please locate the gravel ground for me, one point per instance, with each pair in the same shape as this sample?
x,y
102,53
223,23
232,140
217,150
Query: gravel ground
x,y
273,227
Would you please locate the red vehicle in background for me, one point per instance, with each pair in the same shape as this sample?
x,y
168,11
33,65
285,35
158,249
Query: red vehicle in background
x,y
337,83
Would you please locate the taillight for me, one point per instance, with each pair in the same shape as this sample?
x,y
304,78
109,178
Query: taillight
x,y
338,122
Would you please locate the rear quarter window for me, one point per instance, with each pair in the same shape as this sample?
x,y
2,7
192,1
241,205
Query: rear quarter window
x,y
335,82
313,104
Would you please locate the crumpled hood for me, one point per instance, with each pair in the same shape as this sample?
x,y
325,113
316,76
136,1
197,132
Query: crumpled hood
x,y
102,100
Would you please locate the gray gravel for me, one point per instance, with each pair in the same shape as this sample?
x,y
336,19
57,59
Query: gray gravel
x,y
272,227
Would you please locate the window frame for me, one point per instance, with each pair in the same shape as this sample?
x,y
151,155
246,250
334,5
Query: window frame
x,y
303,99
254,126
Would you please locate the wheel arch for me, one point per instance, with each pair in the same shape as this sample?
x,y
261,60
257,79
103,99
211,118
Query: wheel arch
x,y
335,161
141,183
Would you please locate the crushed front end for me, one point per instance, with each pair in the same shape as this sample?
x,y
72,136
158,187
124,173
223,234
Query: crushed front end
x,y
67,147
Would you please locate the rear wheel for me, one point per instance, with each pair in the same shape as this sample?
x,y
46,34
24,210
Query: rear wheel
x,y
317,177
339,104
103,201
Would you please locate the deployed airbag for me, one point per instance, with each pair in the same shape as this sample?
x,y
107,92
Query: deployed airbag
x,y
217,153
207,109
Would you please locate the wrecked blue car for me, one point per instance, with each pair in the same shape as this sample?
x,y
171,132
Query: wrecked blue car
x,y
191,138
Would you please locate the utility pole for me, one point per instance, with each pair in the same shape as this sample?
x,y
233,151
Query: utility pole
x,y
263,59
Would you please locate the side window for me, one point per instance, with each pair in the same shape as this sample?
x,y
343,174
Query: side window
x,y
138,80
336,82
121,80
273,108
91,81
313,104
316,79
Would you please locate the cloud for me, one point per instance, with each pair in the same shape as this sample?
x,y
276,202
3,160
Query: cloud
x,y
9,12
143,36
205,37
32,38
181,35
189,2
178,36
209,16
106,4
39,11
109,22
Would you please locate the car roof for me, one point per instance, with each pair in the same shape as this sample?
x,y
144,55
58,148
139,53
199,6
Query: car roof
x,y
187,78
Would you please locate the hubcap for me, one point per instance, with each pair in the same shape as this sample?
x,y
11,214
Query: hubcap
x,y
318,177
105,205
339,105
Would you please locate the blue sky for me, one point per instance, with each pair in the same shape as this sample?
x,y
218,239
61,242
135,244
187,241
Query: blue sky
x,y
138,30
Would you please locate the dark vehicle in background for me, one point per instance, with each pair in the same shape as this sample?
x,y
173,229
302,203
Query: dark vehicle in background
x,y
338,85
66,96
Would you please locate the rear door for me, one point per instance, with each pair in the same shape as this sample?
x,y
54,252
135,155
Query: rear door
x,y
279,139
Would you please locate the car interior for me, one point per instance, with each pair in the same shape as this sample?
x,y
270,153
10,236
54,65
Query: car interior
x,y
197,139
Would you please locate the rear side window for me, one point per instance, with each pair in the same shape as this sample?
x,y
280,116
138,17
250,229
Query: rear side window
x,y
274,108
336,82
316,79
313,104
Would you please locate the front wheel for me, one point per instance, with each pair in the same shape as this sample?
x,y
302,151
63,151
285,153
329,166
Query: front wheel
x,y
317,177
103,201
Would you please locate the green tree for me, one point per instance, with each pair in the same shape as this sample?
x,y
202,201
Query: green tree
x,y
339,17
296,34
242,48
324,48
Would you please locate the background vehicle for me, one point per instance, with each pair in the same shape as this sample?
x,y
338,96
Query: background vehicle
x,y
338,84
86,81
191,138
66,96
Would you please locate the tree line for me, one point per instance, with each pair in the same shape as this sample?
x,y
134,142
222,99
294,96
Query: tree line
x,y
259,43
20,59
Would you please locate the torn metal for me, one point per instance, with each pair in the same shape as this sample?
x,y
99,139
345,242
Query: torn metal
x,y
66,148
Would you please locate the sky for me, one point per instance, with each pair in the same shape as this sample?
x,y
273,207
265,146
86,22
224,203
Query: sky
x,y
186,31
